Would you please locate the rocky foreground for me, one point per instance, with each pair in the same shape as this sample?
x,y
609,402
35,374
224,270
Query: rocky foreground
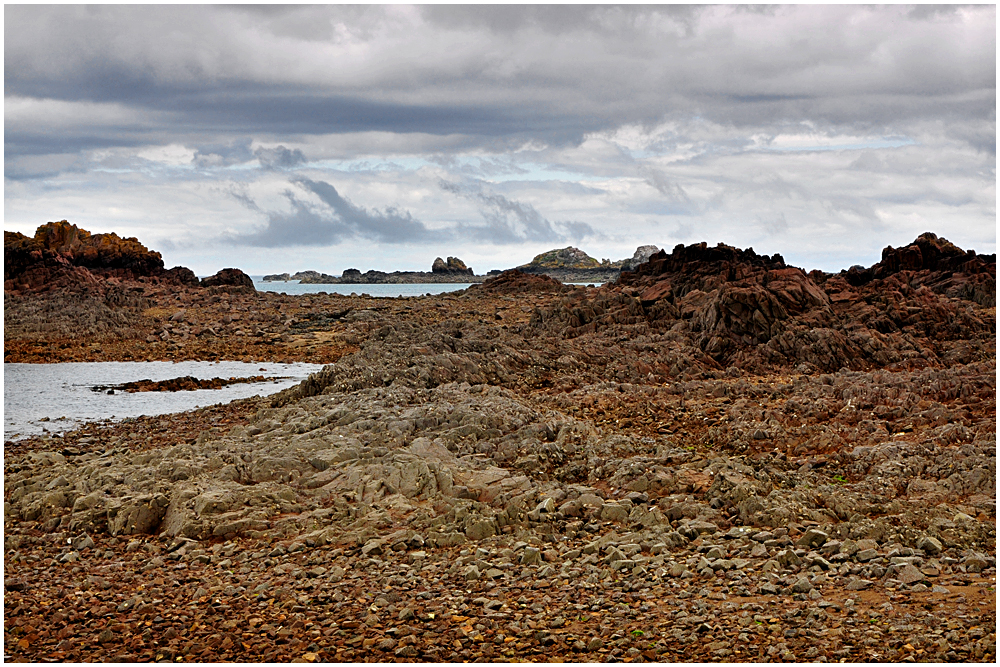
x,y
717,458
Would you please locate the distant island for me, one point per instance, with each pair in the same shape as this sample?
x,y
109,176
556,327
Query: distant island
x,y
565,264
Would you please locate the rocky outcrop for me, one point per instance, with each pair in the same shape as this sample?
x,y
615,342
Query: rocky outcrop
x,y
61,256
641,256
562,258
454,266
186,383
182,275
61,244
229,278
277,277
938,264
373,277
515,281
739,308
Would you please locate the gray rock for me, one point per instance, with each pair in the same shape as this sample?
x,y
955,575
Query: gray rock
x,y
613,512
975,563
373,547
715,552
866,555
930,545
531,556
480,530
82,542
787,557
548,506
858,585
407,651
849,547
812,539
803,585
138,515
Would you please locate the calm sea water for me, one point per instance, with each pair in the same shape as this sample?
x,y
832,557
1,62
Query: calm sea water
x,y
294,287
62,395
420,289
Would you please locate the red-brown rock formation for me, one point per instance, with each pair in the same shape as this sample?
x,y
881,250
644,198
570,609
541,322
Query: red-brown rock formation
x,y
725,306
228,278
517,282
61,244
63,256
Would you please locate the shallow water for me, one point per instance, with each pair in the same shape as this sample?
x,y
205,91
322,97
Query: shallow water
x,y
62,395
375,290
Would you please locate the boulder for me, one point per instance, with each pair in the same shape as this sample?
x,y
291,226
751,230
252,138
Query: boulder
x,y
228,278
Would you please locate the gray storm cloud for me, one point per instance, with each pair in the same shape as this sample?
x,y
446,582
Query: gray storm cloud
x,y
835,128
509,222
337,221
553,73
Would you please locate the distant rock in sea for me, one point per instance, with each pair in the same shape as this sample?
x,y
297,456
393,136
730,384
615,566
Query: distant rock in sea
x,y
452,270
562,258
454,266
641,256
276,277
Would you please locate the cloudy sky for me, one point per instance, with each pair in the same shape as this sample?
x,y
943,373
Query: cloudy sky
x,y
327,137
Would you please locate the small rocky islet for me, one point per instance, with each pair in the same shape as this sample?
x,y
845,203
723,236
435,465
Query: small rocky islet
x,y
717,457
564,264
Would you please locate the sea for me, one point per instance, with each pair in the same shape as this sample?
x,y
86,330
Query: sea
x,y
372,290
56,398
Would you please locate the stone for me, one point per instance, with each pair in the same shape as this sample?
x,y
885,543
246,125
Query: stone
x,y
480,530
812,539
909,574
613,512
787,557
858,585
849,547
930,545
373,547
531,556
408,651
83,542
548,505
865,555
975,563
802,585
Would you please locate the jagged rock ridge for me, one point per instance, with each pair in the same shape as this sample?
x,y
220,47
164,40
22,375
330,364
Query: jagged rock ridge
x,y
724,306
